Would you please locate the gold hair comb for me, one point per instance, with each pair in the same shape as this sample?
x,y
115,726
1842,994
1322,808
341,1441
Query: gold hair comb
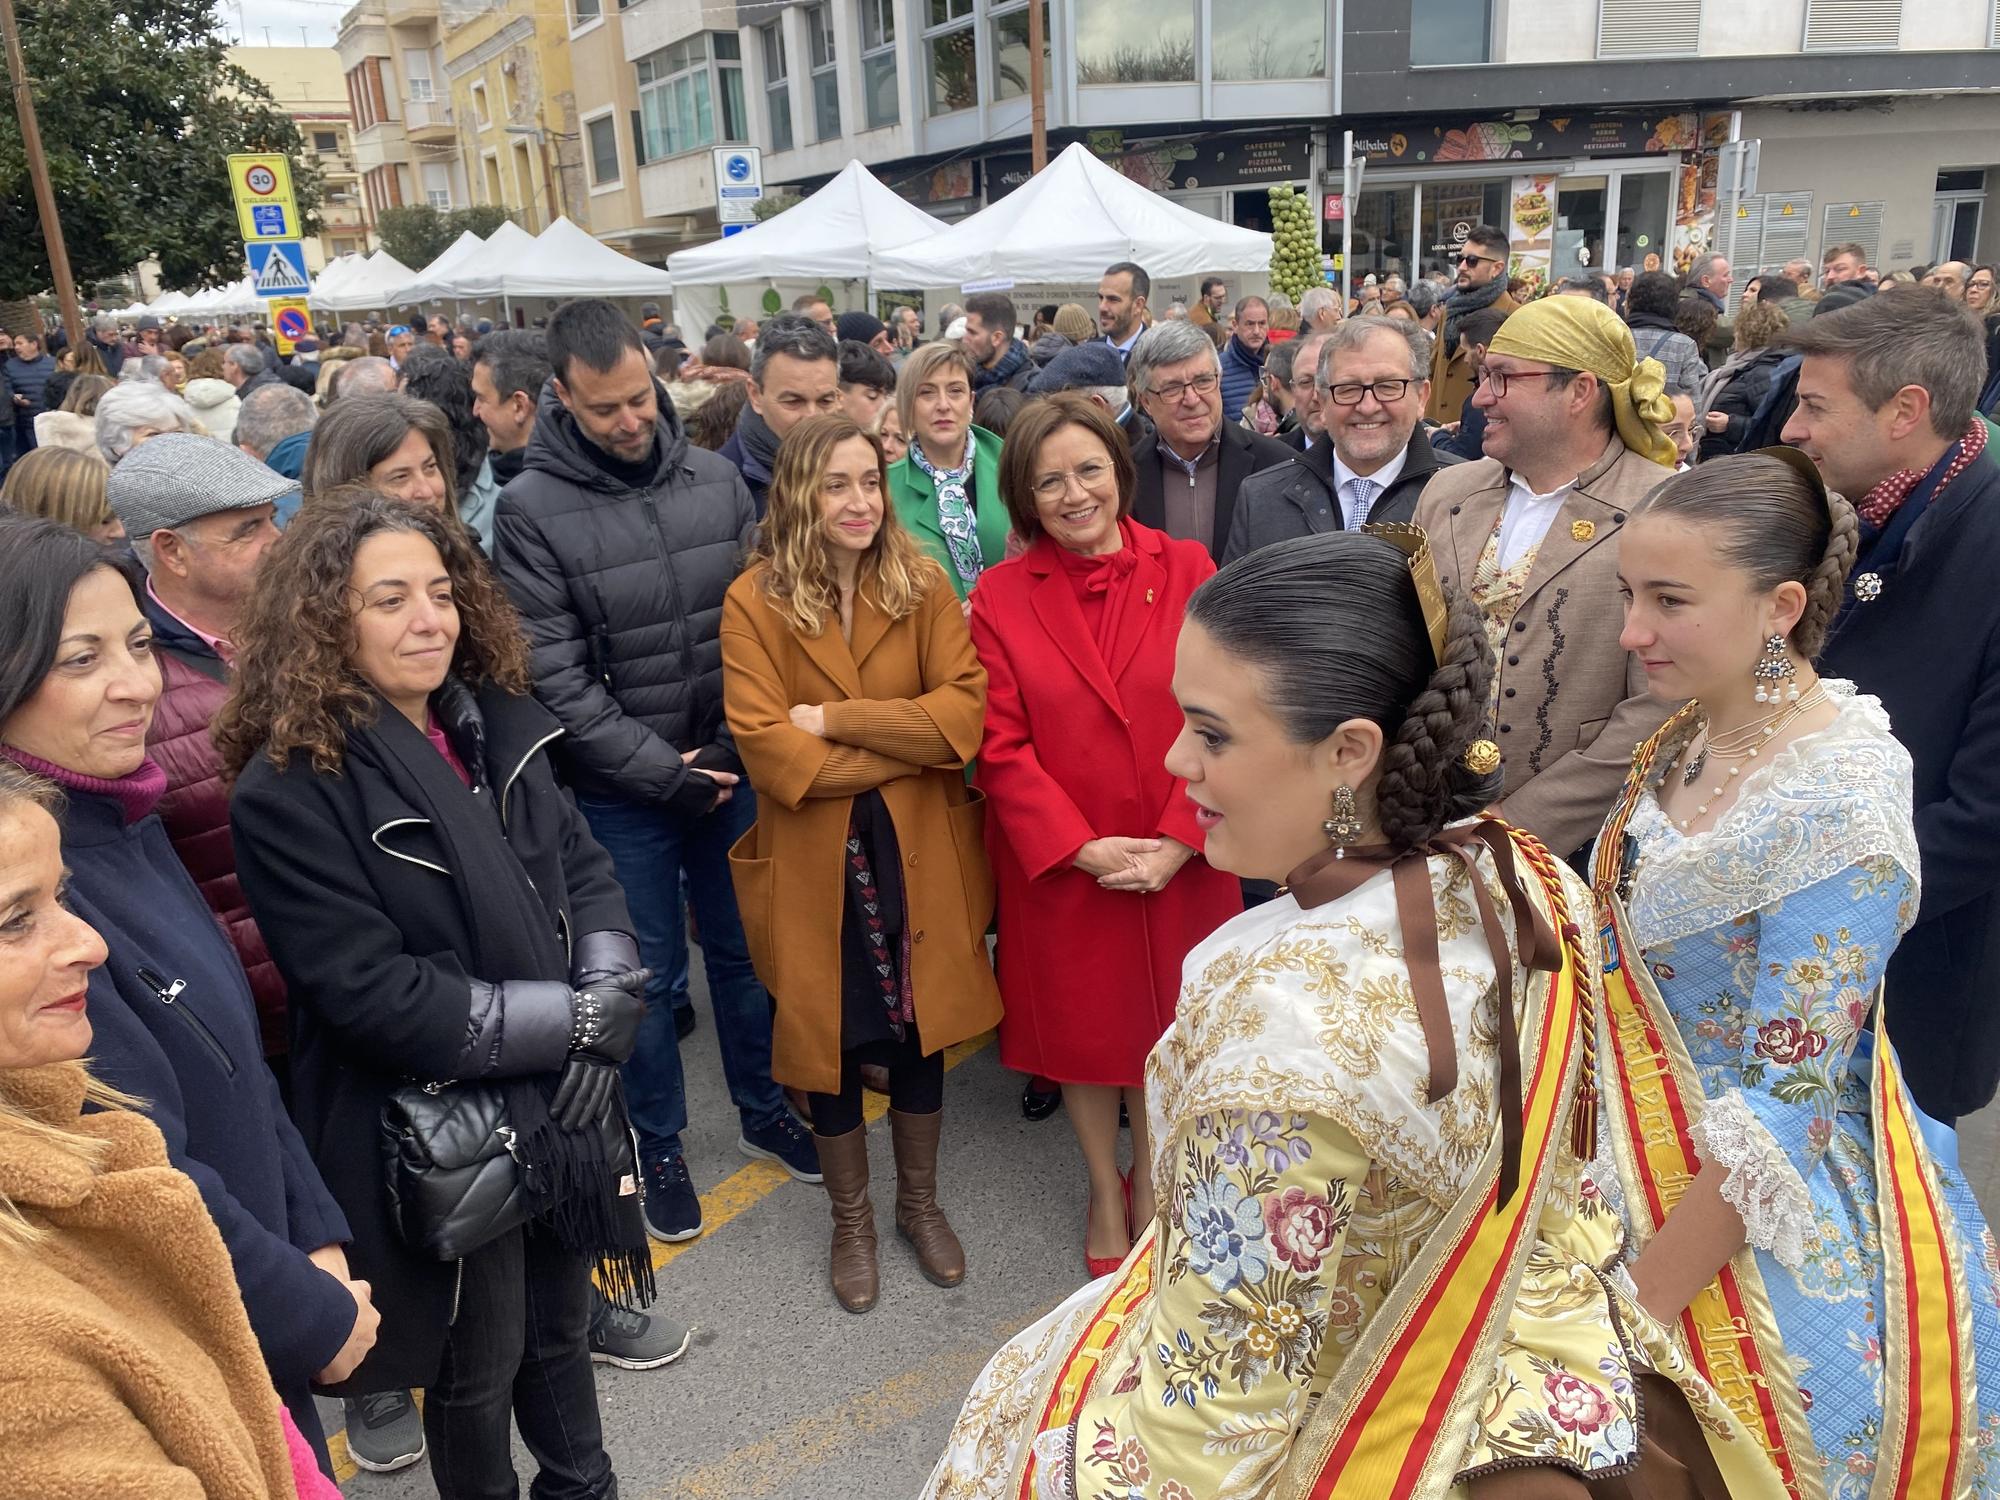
x,y
1412,542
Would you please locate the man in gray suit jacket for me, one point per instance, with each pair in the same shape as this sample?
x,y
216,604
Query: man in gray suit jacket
x,y
1372,386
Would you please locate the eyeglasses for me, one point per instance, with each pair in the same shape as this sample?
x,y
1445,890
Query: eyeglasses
x,y
1201,385
1090,475
1384,391
1496,380
1467,258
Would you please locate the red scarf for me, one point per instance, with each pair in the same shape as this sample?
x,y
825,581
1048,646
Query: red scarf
x,y
1882,502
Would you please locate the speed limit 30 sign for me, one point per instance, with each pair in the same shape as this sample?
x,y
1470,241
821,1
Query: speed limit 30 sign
x,y
265,207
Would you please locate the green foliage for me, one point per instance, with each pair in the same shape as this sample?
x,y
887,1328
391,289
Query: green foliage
x,y
1295,263
138,105
417,234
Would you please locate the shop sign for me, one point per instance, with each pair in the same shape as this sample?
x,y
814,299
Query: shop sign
x,y
1184,164
1552,137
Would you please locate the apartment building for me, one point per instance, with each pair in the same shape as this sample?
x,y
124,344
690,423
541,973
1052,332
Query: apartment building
x,y
507,64
307,84
406,141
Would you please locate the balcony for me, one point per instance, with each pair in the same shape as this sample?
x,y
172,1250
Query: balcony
x,y
409,12
429,122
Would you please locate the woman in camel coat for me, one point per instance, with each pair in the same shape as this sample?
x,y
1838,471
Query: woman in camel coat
x,y
855,699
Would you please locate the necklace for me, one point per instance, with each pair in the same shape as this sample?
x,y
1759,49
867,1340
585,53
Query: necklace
x,y
1745,744
1722,745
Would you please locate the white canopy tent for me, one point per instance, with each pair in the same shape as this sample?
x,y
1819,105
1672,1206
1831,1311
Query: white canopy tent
x,y
435,280
368,287
1060,229
829,238
477,275
338,272
565,261
169,302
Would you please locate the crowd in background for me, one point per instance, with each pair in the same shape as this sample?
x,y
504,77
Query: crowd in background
x,y
465,673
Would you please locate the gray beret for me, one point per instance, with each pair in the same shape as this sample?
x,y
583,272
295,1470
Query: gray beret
x,y
177,477
1082,368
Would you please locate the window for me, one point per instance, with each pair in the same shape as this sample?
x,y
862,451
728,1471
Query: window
x,y
683,96
951,49
417,75
325,141
479,105
777,86
1853,25
602,134
878,62
1648,28
587,11
1252,40
1445,32
1010,53
1137,41
494,192
825,75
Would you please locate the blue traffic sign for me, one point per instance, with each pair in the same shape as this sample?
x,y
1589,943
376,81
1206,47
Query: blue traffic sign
x,y
268,220
729,229
278,268
738,167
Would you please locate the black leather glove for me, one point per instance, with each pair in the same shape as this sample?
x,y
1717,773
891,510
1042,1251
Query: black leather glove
x,y
583,1097
694,794
605,1017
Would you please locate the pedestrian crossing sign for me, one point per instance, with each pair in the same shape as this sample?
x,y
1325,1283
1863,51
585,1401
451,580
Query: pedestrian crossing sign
x,y
278,268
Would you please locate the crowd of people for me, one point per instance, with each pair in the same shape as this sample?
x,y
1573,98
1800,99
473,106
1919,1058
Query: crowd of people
x,y
1434,789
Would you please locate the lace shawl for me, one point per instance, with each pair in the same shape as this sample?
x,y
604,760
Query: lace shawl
x,y
1825,802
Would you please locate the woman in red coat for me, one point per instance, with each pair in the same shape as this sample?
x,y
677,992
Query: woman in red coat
x,y
1102,887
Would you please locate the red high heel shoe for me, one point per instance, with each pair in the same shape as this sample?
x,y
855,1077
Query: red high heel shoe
x,y
1104,1265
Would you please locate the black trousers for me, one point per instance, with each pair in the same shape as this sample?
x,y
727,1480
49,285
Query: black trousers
x,y
519,1349
916,1083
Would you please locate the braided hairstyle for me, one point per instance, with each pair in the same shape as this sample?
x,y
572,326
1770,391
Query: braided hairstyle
x,y
1333,624
1771,516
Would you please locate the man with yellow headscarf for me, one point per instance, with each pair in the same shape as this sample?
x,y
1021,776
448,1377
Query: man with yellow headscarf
x,y
1574,439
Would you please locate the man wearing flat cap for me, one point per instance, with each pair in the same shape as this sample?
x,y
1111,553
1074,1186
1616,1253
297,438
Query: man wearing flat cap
x,y
1529,533
199,513
1096,371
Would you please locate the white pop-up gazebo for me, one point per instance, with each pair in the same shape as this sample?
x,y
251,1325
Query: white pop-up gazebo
x,y
831,239
368,288
435,279
1058,231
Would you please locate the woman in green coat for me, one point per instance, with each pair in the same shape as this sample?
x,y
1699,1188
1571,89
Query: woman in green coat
x,y
946,489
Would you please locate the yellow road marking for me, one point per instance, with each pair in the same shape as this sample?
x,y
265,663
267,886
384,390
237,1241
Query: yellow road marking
x,y
735,1195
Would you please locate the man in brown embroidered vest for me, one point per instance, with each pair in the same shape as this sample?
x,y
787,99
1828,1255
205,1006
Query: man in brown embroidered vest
x,y
1530,533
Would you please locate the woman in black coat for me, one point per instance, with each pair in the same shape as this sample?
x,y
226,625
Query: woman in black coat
x,y
440,913
170,1010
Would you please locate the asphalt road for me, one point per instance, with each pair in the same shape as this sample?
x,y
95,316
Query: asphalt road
x,y
783,1393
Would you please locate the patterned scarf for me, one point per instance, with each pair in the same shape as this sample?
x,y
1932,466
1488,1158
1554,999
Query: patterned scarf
x,y
961,536
1882,502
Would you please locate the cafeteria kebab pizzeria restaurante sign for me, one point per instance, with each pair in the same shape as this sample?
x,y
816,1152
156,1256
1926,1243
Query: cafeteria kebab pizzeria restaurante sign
x,y
1527,140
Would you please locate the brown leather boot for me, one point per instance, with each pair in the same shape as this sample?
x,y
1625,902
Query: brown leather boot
x,y
918,1217
843,1161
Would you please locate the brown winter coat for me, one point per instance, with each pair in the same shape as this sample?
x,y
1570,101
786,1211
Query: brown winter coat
x,y
127,1365
1573,702
905,704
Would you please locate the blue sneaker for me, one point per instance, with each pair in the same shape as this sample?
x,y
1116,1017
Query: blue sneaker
x,y
672,1207
785,1141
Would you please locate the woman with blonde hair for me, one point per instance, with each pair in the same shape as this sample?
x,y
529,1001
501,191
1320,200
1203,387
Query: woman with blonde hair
x,y
946,487
856,699
58,483
132,1367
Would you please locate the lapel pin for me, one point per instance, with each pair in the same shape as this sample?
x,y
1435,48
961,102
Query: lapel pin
x,y
1582,531
1149,596
1868,587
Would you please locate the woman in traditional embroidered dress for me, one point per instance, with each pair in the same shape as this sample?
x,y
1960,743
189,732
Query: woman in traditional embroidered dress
x,y
1756,878
1378,1267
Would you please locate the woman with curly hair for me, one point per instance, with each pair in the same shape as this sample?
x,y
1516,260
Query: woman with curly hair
x,y
1379,1266
441,913
856,700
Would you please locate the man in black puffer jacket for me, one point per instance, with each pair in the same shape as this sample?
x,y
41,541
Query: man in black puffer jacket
x,y
617,541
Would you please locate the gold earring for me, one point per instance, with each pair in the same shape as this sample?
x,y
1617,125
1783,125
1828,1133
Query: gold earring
x,y
1344,827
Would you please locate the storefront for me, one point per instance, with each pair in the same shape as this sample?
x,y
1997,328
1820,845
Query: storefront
x,y
1574,193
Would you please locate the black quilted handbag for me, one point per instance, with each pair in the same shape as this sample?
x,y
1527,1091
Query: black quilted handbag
x,y
453,1182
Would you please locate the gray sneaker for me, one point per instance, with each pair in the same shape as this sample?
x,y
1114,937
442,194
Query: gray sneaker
x,y
634,1340
384,1432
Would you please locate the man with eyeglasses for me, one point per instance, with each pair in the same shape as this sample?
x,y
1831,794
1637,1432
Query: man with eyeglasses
x,y
1372,461
1574,439
1192,464
1482,282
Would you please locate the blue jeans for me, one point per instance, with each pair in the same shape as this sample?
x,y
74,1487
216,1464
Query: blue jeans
x,y
650,847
